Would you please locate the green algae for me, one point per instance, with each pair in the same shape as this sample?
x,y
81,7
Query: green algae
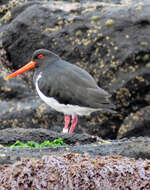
x,y
32,144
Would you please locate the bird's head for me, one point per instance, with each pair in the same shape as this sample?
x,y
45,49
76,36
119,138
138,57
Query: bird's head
x,y
38,58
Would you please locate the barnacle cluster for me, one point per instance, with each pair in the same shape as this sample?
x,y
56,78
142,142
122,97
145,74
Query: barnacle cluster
x,y
73,171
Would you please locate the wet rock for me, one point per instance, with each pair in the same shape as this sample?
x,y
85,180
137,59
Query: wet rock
x,y
133,148
111,41
10,136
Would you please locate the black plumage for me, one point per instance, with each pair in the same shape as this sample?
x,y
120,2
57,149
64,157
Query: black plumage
x,y
66,87
69,84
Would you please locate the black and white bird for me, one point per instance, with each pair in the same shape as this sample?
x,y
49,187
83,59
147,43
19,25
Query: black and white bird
x,y
66,87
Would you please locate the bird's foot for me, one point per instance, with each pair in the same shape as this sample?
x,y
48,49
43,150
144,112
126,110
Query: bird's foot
x,y
67,122
65,130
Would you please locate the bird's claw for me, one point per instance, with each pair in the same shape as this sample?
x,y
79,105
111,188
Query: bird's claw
x,y
65,130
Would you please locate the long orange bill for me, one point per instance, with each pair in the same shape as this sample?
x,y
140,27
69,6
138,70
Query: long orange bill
x,y
28,66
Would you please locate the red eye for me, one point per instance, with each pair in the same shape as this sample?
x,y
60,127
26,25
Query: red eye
x,y
40,56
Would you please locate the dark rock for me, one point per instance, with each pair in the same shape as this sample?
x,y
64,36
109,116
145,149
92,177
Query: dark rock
x,y
10,136
111,41
133,148
137,124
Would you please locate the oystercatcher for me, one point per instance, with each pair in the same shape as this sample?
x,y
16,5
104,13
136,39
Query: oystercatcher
x,y
66,87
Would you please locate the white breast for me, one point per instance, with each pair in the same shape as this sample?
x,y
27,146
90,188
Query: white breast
x,y
66,109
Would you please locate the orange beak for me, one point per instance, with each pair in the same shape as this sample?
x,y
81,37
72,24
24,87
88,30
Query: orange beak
x,y
28,66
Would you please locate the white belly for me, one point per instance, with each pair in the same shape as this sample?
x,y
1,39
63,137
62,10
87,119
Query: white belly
x,y
66,109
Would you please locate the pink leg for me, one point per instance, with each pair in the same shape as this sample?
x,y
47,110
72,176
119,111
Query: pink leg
x,y
74,123
67,122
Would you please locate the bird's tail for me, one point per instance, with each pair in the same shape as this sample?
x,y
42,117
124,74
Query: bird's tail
x,y
101,99
110,109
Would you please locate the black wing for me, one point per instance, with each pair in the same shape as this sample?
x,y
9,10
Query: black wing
x,y
69,84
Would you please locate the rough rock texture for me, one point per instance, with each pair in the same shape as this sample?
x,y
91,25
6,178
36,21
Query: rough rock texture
x,y
76,143
110,40
139,122
11,135
73,171
113,47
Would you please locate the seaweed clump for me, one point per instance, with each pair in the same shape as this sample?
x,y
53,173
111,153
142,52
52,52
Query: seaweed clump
x,y
74,171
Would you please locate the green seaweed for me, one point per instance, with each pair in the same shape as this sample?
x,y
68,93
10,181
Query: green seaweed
x,y
32,144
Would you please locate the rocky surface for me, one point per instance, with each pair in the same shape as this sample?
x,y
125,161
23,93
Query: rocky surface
x,y
10,136
76,143
73,171
136,122
110,40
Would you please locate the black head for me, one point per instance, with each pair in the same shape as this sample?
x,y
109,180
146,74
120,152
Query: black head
x,y
39,57
43,56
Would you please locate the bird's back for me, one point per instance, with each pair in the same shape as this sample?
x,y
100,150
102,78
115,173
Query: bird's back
x,y
72,85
